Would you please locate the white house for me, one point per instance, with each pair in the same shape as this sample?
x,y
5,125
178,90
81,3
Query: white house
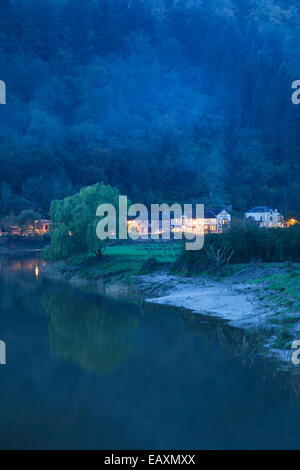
x,y
223,219
194,225
214,221
265,217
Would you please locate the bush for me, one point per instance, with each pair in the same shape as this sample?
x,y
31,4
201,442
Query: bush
x,y
150,265
253,244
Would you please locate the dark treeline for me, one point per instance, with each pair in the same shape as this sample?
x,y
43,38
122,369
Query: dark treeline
x,y
173,100
242,246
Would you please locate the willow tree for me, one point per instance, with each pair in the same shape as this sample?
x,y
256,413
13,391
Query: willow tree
x,y
74,220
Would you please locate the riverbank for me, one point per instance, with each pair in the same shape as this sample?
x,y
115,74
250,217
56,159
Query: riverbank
x,y
263,299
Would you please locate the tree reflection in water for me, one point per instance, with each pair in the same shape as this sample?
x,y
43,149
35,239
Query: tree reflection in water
x,y
93,333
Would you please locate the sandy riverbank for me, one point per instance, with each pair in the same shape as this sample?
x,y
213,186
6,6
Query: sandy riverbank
x,y
233,302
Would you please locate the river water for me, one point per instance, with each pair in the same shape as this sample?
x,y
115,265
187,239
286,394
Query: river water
x,y
84,372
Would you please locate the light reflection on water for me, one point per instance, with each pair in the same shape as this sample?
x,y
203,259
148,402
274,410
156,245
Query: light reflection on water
x,y
36,271
88,372
24,263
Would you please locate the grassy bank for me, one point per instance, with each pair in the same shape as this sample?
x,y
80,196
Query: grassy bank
x,y
121,262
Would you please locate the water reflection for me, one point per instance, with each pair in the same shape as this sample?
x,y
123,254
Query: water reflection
x,y
247,346
36,272
84,372
92,333
12,264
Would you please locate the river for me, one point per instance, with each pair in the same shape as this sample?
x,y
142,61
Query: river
x,y
85,372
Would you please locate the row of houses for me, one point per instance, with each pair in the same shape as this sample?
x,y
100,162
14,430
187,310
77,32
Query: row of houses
x,y
39,227
214,221
265,217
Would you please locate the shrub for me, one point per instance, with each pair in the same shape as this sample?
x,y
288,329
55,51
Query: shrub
x,y
253,244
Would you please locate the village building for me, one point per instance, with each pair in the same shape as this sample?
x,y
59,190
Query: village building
x,y
38,227
265,217
223,219
42,226
141,227
146,227
214,221
14,230
196,225
291,222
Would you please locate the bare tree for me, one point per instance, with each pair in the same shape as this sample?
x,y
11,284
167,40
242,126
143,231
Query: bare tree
x,y
219,257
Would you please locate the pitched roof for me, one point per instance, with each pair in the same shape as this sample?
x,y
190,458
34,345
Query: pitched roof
x,y
260,209
208,214
217,210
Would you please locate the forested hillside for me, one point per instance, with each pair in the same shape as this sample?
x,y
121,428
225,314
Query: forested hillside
x,y
174,100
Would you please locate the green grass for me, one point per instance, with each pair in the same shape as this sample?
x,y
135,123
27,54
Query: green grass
x,y
122,261
283,289
232,269
163,252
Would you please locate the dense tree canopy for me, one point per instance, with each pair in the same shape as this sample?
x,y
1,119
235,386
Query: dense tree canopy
x,y
75,221
170,100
